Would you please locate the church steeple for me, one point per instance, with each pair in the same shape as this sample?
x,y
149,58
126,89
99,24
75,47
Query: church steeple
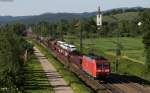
x,y
99,18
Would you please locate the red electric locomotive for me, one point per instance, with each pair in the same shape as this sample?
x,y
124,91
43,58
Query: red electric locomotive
x,y
96,66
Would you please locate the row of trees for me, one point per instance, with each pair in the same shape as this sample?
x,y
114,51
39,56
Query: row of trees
x,y
12,50
127,28
145,17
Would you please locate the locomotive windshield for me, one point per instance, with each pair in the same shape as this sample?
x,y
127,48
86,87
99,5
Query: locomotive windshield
x,y
99,65
102,65
102,62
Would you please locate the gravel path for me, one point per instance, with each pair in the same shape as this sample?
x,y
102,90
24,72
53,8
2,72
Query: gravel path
x,y
55,79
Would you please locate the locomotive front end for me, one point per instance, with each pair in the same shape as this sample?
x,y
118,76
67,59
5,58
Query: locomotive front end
x,y
102,67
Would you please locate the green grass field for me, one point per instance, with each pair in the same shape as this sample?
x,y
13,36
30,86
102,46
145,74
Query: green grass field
x,y
35,78
132,47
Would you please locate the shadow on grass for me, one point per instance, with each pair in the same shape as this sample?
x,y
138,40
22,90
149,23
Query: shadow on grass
x,y
36,80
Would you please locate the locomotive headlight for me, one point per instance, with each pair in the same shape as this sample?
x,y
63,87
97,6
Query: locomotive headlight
x,y
107,70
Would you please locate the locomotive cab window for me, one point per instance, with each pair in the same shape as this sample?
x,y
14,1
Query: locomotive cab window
x,y
99,65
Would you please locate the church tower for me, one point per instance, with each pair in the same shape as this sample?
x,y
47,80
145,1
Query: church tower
x,y
99,18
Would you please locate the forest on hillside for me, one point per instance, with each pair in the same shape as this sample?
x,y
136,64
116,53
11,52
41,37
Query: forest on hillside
x,y
55,17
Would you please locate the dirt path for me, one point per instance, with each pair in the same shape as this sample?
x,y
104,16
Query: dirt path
x,y
55,79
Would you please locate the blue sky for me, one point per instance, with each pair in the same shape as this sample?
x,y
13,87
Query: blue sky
x,y
35,7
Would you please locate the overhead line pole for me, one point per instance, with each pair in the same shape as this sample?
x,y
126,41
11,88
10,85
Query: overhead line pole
x,y
118,48
81,37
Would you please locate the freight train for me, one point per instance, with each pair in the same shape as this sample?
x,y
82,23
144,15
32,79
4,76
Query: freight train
x,y
93,65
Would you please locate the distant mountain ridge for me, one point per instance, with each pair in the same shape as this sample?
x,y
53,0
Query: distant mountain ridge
x,y
55,17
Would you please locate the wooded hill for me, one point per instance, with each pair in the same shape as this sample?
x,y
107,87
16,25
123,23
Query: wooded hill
x,y
55,17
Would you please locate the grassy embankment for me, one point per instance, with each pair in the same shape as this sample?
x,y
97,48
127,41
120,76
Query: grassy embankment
x,y
132,61
77,85
35,78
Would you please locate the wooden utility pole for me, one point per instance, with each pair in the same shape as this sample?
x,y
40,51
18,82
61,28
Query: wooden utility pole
x,y
81,37
118,48
25,55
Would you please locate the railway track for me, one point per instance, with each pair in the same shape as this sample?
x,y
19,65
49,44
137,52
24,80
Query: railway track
x,y
130,85
114,84
117,84
111,88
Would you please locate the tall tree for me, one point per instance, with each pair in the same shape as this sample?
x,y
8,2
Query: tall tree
x,y
12,48
145,17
